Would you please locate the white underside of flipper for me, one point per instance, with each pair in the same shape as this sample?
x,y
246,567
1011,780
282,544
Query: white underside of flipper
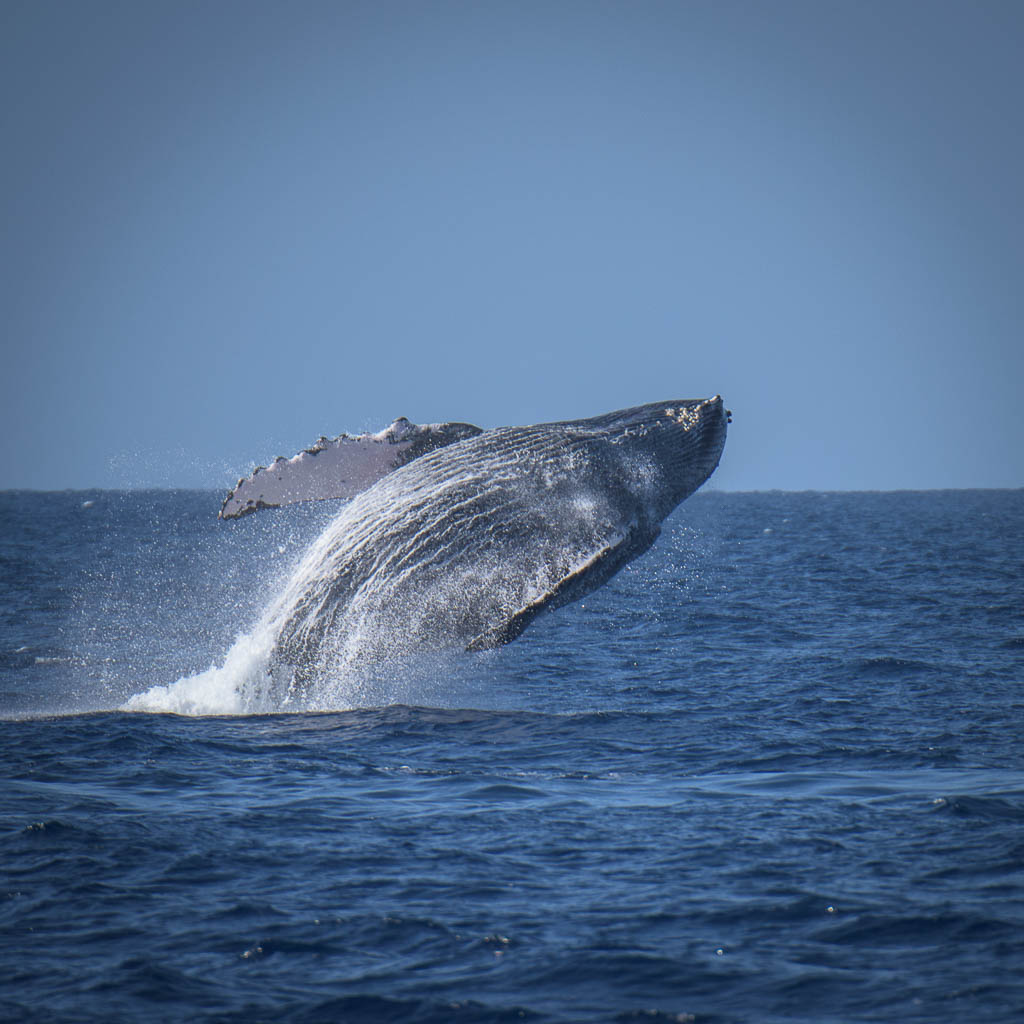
x,y
332,469
338,468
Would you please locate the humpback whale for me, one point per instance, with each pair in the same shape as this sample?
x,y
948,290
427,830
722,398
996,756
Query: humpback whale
x,y
459,537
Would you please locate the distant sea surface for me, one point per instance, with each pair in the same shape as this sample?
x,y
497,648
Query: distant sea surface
x,y
774,771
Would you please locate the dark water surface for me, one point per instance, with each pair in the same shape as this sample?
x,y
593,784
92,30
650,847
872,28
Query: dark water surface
x,y
774,771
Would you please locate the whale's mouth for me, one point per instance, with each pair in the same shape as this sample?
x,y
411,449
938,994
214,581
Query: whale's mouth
x,y
687,440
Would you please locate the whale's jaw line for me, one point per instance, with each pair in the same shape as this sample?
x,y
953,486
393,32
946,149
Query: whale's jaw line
x,y
686,436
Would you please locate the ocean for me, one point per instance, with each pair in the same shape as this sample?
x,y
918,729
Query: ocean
x,y
773,771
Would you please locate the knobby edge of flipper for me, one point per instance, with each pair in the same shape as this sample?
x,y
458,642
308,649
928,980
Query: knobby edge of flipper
x,y
341,467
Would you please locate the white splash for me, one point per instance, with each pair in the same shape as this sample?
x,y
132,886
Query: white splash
x,y
238,687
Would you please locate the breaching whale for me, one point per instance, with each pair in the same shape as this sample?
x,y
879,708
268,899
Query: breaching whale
x,y
458,537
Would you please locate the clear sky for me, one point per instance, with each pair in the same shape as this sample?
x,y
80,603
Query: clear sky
x,y
230,227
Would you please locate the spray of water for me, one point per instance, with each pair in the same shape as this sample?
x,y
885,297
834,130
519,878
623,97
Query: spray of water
x,y
235,688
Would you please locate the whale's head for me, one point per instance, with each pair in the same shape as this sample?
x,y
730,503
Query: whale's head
x,y
684,438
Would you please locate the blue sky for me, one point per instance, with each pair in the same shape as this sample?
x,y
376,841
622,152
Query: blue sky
x,y
231,227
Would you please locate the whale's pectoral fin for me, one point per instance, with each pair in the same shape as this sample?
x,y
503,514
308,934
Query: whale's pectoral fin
x,y
339,468
591,572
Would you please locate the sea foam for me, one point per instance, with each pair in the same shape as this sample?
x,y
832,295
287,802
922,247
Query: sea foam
x,y
235,688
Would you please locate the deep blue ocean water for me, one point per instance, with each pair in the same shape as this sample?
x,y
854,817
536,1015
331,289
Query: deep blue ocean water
x,y
774,771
